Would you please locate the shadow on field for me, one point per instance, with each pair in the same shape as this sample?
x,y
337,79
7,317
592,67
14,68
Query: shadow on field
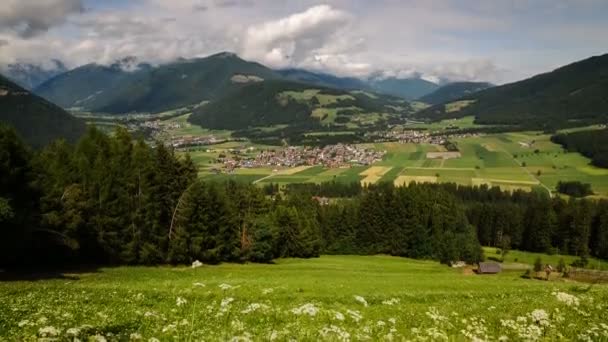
x,y
31,274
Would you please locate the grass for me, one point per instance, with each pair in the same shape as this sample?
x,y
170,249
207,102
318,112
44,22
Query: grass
x,y
333,298
529,258
188,129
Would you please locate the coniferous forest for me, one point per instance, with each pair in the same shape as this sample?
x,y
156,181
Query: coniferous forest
x,y
116,200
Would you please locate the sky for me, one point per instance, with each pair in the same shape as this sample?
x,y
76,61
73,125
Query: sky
x,y
475,40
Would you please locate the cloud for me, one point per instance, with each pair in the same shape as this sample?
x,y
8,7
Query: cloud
x,y
465,40
290,40
30,18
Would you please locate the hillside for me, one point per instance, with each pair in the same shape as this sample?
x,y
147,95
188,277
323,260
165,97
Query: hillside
x,y
324,80
186,82
408,88
84,87
571,95
284,102
453,91
36,120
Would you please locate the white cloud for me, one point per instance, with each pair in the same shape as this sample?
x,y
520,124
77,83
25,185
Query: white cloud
x,y
29,18
464,40
291,40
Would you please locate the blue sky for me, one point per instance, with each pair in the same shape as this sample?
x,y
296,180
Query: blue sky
x,y
489,40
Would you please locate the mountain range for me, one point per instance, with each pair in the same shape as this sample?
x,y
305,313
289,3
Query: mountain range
x,y
35,119
116,89
225,91
30,76
574,94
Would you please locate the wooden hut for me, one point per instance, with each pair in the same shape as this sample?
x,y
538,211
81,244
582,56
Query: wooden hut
x,y
488,268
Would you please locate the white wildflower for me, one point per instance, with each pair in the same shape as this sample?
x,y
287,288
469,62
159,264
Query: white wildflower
x,y
355,315
361,300
98,338
170,327
180,301
380,323
226,302
198,285
306,309
197,264
540,317
73,332
49,331
246,337
150,314
434,314
267,291
567,298
153,339
23,323
135,337
339,316
392,301
225,287
254,307
333,332
237,325
392,320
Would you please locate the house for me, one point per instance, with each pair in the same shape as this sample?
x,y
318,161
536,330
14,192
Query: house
x,y
488,268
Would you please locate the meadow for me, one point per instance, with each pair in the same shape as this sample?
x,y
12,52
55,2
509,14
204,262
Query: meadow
x,y
334,298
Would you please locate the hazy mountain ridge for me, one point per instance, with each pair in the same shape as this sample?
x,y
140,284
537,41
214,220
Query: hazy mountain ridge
x,y
29,76
453,91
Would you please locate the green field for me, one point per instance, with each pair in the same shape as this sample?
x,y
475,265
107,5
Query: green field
x,y
188,129
528,258
512,161
333,298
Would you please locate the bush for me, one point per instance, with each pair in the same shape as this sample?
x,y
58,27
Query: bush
x,y
581,262
574,188
538,265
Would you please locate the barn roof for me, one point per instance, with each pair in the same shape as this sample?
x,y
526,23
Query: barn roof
x,y
489,267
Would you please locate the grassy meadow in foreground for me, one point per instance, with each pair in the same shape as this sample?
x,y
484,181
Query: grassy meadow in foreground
x,y
337,298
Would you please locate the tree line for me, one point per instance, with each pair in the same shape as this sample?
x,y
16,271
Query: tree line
x,y
592,143
112,199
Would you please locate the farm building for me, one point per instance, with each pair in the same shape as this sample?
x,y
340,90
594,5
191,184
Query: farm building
x,y
488,268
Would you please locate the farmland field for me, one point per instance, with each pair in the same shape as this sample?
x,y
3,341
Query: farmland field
x,y
512,161
336,298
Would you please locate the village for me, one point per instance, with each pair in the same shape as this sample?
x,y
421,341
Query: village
x,y
331,156
415,136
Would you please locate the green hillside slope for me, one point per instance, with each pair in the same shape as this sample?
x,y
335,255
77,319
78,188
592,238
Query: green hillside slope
x,y
292,103
36,120
575,94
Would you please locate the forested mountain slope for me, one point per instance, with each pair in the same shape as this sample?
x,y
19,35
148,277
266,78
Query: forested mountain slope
x,y
573,94
35,119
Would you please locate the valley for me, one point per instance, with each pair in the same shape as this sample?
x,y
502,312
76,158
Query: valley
x,y
247,170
